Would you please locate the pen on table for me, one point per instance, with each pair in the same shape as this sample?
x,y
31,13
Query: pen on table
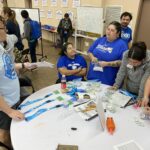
x,y
91,117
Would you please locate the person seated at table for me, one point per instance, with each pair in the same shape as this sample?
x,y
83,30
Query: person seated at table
x,y
135,68
106,54
70,64
10,88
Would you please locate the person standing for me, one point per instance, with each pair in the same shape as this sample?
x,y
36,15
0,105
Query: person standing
x,y
126,31
106,55
28,35
9,84
12,26
65,28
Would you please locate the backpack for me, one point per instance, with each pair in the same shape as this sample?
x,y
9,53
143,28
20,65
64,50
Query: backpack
x,y
35,30
66,24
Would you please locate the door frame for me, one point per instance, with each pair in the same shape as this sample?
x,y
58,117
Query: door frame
x,y
139,12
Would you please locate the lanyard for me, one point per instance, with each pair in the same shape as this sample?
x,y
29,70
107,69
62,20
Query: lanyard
x,y
48,101
33,101
40,111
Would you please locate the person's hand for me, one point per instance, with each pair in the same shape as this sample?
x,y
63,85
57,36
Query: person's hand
x,y
147,110
114,88
145,102
103,63
29,66
94,60
79,69
15,114
139,103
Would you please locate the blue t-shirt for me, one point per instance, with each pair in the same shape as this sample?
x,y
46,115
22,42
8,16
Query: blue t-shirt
x,y
104,50
126,34
71,64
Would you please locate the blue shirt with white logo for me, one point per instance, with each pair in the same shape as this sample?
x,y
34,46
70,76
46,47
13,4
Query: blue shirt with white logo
x,y
126,34
71,64
104,50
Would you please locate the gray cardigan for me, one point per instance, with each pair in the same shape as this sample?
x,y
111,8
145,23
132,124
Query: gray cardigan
x,y
27,29
136,76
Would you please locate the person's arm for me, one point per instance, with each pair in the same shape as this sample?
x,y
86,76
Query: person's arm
x,y
122,72
143,81
91,49
115,63
82,72
12,113
145,99
129,44
67,72
92,58
26,65
59,26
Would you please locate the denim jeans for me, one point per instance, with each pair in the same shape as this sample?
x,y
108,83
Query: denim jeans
x,y
32,47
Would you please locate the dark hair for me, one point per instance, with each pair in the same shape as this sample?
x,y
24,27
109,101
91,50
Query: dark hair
x,y
24,14
126,14
117,26
64,48
137,51
11,14
66,15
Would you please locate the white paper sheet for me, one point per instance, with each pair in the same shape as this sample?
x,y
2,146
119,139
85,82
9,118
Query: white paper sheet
x,y
130,145
44,64
119,99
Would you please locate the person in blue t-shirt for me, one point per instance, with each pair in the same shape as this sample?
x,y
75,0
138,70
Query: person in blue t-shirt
x,y
126,31
106,54
71,64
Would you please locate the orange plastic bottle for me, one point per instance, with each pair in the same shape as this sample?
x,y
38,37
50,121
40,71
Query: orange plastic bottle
x,y
110,125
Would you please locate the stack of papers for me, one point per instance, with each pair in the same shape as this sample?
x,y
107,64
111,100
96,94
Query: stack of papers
x,y
87,110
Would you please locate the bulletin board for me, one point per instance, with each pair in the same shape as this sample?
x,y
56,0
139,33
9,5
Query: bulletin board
x,y
33,13
50,9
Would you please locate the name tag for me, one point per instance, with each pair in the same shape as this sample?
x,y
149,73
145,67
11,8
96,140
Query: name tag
x,y
98,68
129,66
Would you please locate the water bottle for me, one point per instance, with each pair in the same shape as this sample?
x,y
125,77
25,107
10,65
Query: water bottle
x,y
63,82
110,124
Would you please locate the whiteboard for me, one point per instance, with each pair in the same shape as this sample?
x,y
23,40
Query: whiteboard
x,y
90,19
33,14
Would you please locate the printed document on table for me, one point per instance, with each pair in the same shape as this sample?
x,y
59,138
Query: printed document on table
x,y
130,145
119,99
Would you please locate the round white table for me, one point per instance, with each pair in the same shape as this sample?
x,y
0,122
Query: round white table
x,y
53,127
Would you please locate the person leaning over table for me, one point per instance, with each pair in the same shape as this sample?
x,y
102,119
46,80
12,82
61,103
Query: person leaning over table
x,y
71,64
9,84
135,67
107,52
